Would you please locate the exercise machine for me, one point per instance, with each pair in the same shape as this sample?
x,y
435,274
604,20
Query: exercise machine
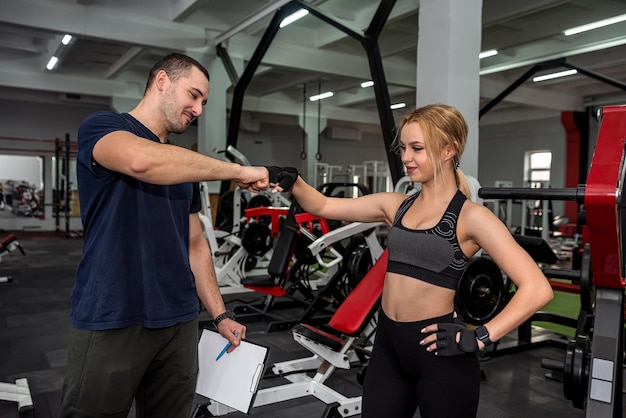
x,y
9,244
242,251
19,391
242,247
362,250
327,173
302,254
594,358
341,342
373,174
295,273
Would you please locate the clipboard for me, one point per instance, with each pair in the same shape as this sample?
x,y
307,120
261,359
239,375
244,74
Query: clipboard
x,y
233,380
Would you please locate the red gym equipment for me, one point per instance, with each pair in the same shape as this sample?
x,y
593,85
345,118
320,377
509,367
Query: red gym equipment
x,y
594,361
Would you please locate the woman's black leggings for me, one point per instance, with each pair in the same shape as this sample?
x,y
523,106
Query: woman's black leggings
x,y
402,376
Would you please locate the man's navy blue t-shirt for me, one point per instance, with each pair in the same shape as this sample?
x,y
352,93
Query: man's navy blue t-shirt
x,y
135,266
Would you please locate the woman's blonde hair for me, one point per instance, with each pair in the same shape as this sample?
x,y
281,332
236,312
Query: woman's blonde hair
x,y
442,126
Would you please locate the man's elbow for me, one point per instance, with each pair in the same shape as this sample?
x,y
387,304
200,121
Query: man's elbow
x,y
147,171
139,166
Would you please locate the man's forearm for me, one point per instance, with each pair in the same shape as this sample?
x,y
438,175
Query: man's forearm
x,y
170,164
206,281
166,164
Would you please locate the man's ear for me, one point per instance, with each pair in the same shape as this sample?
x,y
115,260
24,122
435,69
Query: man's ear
x,y
161,80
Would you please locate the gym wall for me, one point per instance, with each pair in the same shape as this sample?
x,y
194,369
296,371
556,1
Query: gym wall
x,y
501,151
282,144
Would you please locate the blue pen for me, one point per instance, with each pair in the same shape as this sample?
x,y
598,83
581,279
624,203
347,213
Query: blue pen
x,y
228,344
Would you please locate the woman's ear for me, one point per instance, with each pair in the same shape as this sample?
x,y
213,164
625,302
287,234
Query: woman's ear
x,y
448,153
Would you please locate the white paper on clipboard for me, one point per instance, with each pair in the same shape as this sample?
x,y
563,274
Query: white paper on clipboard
x,y
233,380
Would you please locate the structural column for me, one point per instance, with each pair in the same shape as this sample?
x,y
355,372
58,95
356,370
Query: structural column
x,y
448,65
212,125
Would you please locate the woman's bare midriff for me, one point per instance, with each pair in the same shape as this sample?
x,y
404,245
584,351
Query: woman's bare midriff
x,y
406,299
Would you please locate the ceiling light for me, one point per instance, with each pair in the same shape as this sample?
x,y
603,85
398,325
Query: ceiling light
x,y
321,96
397,106
554,75
487,53
293,17
60,52
595,25
367,84
53,61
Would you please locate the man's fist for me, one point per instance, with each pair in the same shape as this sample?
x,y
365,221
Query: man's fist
x,y
285,177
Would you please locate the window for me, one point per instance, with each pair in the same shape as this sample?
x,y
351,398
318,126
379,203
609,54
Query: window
x,y
537,172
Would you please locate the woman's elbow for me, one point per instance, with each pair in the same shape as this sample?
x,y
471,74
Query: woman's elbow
x,y
547,294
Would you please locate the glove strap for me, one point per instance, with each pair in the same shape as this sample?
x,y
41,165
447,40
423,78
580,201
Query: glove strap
x,y
467,341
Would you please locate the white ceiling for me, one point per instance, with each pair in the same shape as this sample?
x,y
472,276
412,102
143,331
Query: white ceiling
x,y
116,42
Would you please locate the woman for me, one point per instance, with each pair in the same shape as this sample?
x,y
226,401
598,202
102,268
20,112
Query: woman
x,y
421,358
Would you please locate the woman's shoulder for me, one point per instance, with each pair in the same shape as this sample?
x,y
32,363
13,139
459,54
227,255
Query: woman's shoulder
x,y
476,212
385,199
391,202
476,219
397,199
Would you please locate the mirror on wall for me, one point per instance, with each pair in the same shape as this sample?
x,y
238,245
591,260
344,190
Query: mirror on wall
x,y
21,186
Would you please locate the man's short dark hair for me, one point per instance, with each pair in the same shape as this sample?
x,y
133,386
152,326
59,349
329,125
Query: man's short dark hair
x,y
175,65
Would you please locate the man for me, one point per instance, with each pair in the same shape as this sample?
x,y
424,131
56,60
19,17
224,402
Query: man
x,y
145,259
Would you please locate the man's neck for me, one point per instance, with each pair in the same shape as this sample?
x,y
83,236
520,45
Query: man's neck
x,y
148,119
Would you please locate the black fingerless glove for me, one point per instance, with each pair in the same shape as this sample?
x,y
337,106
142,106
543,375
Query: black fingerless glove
x,y
284,176
446,340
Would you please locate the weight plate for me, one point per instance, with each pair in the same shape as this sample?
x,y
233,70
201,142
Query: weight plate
x,y
359,263
481,292
260,201
587,290
576,370
256,239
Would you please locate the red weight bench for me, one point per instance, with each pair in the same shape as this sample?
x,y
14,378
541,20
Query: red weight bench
x,y
350,320
333,347
10,243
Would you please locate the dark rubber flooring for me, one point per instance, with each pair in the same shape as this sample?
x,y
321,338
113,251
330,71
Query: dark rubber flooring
x,y
34,309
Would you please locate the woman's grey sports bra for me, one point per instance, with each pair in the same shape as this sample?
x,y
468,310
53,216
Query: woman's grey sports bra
x,y
432,255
